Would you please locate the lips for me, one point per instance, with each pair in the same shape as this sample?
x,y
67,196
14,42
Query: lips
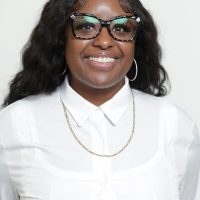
x,y
104,57
102,60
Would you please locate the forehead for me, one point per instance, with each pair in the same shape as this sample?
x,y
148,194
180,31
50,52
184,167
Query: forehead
x,y
104,9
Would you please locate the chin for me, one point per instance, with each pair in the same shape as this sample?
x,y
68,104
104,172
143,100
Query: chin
x,y
106,84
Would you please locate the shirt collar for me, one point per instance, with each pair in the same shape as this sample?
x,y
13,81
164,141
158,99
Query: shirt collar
x,y
80,109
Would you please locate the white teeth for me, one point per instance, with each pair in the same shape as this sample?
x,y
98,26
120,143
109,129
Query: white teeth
x,y
102,60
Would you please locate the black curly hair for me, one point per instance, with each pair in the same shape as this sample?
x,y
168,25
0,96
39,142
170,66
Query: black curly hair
x,y
43,57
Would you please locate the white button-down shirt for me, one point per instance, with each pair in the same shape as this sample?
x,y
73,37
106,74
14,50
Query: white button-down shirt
x,y
41,160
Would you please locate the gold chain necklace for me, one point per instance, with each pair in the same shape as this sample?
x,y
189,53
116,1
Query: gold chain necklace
x,y
92,152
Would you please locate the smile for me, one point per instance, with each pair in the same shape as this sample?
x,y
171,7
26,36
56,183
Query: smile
x,y
102,60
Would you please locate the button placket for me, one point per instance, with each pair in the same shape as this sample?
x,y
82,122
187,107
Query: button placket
x,y
97,128
101,166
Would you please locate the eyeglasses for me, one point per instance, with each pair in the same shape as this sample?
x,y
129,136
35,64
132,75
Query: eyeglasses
x,y
122,28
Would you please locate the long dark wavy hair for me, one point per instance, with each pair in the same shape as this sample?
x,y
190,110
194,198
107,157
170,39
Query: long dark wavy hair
x,y
43,58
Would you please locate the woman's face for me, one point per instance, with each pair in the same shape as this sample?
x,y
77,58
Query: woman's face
x,y
87,70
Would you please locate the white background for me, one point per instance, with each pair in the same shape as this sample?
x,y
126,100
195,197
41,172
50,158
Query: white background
x,y
179,35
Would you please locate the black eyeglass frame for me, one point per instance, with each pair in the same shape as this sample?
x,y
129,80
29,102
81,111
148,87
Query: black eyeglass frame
x,y
104,23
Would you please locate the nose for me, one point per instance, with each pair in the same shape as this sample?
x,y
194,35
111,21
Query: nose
x,y
104,40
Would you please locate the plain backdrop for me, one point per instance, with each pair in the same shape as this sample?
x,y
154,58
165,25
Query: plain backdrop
x,y
179,36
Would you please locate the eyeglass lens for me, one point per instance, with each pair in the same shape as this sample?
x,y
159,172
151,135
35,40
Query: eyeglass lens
x,y
88,27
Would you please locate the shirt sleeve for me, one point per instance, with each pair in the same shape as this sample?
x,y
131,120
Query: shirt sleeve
x,y
189,181
7,190
183,149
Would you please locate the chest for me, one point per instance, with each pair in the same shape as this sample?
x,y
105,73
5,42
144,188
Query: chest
x,y
151,181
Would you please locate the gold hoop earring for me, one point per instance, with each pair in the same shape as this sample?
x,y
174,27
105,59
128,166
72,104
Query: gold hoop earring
x,y
136,71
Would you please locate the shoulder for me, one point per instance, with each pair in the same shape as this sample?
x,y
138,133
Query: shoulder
x,y
175,126
167,111
15,119
35,101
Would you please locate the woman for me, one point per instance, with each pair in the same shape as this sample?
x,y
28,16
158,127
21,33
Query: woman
x,y
82,120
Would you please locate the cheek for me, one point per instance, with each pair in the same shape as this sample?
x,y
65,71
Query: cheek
x,y
74,49
128,51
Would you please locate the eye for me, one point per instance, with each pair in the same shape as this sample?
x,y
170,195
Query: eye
x,y
85,26
121,28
